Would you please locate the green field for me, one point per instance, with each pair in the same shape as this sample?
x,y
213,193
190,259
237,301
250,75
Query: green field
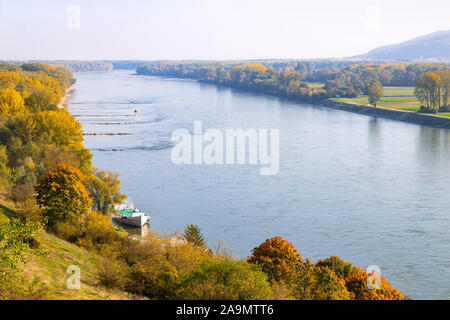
x,y
400,98
315,85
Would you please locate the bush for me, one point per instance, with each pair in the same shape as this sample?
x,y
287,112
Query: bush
x,y
319,283
424,109
113,274
225,278
28,210
157,280
341,268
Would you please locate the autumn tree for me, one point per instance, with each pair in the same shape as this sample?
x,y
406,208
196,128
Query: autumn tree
x,y
445,89
193,234
375,92
277,258
339,266
314,282
60,128
356,283
104,189
62,194
428,90
37,103
11,103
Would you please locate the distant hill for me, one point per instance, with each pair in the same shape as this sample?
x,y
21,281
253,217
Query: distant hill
x,y
433,46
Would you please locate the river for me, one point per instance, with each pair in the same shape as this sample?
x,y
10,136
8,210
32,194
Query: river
x,y
371,191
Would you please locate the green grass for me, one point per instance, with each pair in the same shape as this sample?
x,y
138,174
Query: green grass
x,y
51,268
401,98
399,92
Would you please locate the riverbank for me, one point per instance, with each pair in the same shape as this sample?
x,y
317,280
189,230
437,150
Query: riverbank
x,y
66,96
430,120
434,121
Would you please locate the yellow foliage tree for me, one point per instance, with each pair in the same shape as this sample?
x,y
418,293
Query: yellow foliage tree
x,y
63,195
60,128
11,103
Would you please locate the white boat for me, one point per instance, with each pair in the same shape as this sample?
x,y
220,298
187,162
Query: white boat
x,y
131,216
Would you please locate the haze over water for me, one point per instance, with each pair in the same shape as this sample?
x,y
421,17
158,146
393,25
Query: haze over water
x,y
371,191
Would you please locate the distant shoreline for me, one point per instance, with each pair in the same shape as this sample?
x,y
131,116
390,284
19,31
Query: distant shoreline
x,y
159,77
429,120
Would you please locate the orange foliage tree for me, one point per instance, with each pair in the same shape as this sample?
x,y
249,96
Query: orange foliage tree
x,y
256,67
277,258
356,283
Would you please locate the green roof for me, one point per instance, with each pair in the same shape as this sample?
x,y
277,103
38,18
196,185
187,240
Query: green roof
x,y
128,212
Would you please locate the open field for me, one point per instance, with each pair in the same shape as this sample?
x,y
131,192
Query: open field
x,y
400,98
315,85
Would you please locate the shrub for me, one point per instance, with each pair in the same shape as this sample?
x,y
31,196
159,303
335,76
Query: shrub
x,y
28,210
156,280
184,256
225,278
113,274
319,283
341,268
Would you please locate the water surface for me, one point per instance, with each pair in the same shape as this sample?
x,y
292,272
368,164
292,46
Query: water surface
x,y
372,191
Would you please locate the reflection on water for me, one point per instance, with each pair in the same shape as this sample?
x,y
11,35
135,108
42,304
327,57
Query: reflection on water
x,y
372,191
142,231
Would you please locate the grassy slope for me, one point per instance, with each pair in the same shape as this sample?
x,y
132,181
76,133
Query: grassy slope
x,y
50,269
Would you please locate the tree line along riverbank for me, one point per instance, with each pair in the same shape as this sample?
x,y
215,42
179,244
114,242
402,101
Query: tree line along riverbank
x,y
338,88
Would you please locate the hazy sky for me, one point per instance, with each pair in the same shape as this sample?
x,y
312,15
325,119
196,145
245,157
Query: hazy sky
x,y
211,29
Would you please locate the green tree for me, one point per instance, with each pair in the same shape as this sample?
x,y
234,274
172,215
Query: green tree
x,y
37,103
375,92
5,171
62,194
104,189
193,234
